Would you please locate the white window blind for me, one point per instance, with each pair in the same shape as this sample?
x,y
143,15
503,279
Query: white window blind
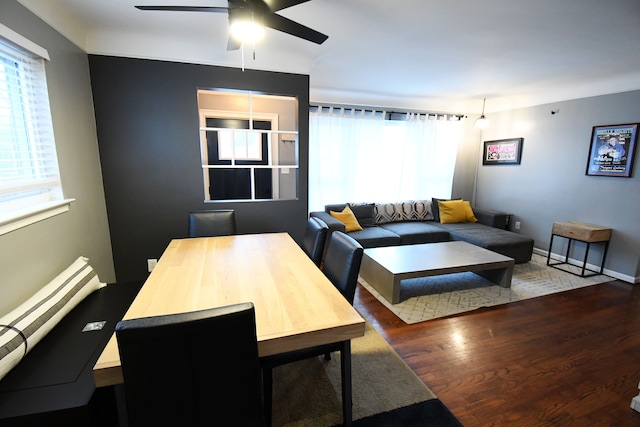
x,y
29,175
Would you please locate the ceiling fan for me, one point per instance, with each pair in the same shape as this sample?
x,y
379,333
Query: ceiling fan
x,y
257,13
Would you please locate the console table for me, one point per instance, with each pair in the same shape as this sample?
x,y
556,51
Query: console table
x,y
586,233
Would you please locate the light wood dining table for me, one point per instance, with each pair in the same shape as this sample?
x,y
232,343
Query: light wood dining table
x,y
296,306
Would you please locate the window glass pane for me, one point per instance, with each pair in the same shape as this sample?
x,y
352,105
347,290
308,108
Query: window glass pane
x,y
253,146
240,144
225,147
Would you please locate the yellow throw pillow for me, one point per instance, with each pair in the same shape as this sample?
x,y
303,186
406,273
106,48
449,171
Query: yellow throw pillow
x,y
456,211
471,217
347,218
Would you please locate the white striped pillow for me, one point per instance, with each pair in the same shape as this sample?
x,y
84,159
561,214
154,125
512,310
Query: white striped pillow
x,y
24,327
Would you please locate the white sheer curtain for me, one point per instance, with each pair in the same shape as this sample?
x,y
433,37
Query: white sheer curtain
x,y
358,156
431,146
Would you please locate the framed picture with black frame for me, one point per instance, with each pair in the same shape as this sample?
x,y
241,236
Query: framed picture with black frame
x,y
612,150
502,152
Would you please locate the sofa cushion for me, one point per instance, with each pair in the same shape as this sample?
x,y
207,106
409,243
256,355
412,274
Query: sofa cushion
x,y
347,218
507,243
408,210
415,232
364,212
456,211
373,237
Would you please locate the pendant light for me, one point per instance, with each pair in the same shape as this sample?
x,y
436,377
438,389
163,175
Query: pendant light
x,y
482,122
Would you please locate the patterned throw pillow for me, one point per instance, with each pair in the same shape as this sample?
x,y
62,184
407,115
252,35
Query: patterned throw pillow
x,y
386,212
410,210
417,210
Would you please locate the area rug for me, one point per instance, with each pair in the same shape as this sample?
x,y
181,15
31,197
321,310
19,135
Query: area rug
x,y
386,392
439,296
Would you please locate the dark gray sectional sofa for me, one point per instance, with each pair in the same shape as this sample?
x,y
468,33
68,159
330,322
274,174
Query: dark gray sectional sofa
x,y
416,221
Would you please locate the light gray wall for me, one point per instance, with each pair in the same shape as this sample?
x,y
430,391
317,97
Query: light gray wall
x,y
550,184
31,256
464,175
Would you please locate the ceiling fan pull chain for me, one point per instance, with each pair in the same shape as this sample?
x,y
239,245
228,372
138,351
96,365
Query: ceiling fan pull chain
x,y
242,54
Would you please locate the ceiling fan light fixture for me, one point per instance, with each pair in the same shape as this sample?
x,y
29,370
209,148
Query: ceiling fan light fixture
x,y
245,28
482,121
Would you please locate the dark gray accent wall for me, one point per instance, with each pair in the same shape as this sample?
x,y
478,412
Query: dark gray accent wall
x,y
31,256
147,121
550,184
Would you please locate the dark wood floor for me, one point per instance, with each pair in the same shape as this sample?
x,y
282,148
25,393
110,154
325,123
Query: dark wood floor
x,y
568,359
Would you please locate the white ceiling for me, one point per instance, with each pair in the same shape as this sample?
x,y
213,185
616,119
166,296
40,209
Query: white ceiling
x,y
441,55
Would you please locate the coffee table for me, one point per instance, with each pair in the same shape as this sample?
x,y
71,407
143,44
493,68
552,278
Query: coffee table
x,y
384,268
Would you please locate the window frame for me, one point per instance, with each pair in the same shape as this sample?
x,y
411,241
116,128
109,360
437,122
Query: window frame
x,y
272,136
36,210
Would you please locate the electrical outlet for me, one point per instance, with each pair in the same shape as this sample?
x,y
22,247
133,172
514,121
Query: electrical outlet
x,y
151,264
517,225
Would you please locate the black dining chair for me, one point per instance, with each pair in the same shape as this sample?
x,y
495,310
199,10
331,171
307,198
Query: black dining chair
x,y
315,236
192,369
212,223
341,266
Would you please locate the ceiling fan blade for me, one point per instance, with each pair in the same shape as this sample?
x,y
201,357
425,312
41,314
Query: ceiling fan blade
x,y
275,5
185,8
288,26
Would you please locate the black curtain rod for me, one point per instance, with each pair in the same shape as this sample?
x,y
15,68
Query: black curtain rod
x,y
387,112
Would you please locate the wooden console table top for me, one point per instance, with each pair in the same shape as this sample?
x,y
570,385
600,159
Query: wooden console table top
x,y
580,231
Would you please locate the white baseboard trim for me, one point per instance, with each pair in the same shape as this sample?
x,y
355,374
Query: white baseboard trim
x,y
611,273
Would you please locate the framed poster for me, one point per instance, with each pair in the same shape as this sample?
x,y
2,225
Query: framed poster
x,y
502,152
612,149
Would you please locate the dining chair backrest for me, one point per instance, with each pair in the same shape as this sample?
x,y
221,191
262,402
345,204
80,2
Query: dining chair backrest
x,y
198,368
315,236
342,263
212,223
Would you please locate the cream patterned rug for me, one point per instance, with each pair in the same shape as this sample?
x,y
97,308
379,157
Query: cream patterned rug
x,y
439,296
386,392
